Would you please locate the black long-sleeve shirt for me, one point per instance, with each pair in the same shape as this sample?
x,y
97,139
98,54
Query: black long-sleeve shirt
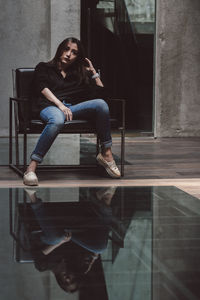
x,y
68,88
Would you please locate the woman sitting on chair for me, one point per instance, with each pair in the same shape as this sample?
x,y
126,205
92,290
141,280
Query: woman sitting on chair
x,y
65,88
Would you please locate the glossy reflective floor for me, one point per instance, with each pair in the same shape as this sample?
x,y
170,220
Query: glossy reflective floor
x,y
116,243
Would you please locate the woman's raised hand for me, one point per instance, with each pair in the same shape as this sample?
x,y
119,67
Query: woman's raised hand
x,y
93,71
90,66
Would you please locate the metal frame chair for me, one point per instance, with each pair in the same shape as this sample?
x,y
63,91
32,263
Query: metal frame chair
x,y
25,124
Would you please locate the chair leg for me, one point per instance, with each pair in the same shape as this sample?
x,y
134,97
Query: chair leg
x,y
10,134
97,146
122,151
17,147
25,152
14,165
16,135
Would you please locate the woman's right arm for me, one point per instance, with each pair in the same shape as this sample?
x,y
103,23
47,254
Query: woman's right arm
x,y
41,86
51,97
50,248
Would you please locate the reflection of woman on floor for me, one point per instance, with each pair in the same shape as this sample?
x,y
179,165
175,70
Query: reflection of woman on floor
x,y
70,253
68,88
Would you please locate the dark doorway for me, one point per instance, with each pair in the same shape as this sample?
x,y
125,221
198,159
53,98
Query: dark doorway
x,y
123,50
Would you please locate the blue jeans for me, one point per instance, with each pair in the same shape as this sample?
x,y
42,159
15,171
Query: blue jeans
x,y
91,235
96,111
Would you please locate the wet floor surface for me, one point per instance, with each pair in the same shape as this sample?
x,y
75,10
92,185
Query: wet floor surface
x,y
116,243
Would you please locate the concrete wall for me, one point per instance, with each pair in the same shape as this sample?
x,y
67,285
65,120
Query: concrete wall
x,y
25,37
65,21
30,32
177,82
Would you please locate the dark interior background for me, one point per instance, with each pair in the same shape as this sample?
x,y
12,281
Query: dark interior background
x,y
125,59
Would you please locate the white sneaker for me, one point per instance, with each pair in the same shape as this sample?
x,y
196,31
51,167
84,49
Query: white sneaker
x,y
107,191
110,166
30,178
30,192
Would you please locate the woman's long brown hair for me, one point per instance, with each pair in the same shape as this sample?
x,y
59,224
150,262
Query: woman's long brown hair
x,y
77,70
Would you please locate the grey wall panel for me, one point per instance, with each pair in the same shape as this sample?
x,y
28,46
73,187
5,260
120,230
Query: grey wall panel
x,y
177,87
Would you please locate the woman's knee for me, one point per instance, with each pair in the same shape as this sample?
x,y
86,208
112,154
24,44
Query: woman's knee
x,y
56,121
53,116
102,106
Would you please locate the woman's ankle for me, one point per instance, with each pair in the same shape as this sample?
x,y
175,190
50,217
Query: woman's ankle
x,y
107,154
32,167
30,170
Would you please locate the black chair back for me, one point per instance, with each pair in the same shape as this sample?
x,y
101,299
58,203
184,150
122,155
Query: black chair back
x,y
24,78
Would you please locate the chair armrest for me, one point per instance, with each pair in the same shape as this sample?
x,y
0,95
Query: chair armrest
x,y
19,99
21,112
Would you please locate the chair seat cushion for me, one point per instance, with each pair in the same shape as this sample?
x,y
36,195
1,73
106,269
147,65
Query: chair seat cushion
x,y
74,126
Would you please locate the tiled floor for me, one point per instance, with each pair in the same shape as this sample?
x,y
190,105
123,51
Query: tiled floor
x,y
145,158
149,161
147,239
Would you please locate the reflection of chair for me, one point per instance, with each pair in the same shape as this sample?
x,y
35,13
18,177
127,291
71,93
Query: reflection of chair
x,y
26,124
77,215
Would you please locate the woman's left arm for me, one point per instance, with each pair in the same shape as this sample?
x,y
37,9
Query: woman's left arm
x,y
95,75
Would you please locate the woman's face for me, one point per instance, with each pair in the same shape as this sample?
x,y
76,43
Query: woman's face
x,y
69,54
69,281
